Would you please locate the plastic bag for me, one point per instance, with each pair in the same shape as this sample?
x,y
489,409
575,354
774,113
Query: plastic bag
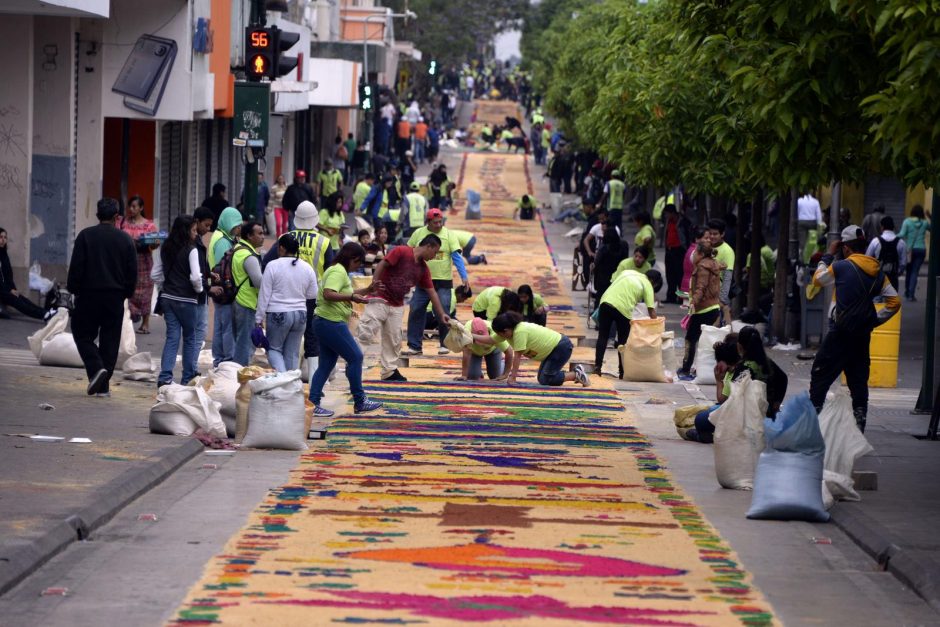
x,y
473,206
128,345
52,346
705,353
175,401
38,282
739,433
684,417
140,367
276,413
642,355
845,444
790,470
457,337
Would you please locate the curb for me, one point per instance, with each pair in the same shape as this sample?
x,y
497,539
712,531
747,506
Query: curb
x,y
920,574
20,559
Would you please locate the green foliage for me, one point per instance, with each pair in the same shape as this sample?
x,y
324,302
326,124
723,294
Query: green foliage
x,y
454,31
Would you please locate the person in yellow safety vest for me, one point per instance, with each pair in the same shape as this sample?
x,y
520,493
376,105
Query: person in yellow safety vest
x,y
612,198
413,217
362,191
315,249
246,274
537,117
658,207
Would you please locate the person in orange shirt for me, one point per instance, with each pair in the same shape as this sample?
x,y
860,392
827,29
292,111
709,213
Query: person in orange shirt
x,y
421,140
403,137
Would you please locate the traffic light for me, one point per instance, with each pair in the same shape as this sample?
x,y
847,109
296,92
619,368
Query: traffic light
x,y
366,96
259,53
264,52
432,69
284,41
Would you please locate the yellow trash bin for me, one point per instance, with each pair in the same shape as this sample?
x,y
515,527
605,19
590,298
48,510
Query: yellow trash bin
x,y
885,342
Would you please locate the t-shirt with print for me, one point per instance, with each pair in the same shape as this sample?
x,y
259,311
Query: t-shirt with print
x,y
402,273
627,290
441,266
482,350
534,341
337,279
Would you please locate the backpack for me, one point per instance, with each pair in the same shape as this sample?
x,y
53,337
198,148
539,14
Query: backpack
x,y
888,256
342,153
224,268
860,315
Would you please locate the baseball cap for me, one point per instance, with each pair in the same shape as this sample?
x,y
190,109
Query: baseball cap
x,y
414,186
300,173
434,213
852,233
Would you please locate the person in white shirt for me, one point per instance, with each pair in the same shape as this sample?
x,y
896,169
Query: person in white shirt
x,y
286,286
895,252
808,217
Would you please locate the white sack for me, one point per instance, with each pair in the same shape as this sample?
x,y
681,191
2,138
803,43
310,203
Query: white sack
x,y
845,444
739,433
705,353
276,413
191,401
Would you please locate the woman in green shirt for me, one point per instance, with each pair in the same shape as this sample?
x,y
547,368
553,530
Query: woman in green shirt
x,y
542,344
913,232
332,218
533,305
639,262
646,236
487,346
495,300
334,308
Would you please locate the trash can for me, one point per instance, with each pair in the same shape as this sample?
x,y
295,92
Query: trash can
x,y
885,342
813,317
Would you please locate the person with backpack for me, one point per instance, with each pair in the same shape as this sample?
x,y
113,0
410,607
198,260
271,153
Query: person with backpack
x,y
222,240
889,249
178,276
246,277
858,280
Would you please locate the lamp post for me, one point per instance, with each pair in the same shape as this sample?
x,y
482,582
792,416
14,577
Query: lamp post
x,y
365,64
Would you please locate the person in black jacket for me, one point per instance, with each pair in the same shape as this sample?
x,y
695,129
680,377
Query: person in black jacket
x,y
217,202
102,274
296,193
9,296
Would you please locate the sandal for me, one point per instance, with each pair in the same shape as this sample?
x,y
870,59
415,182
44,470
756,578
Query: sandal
x,y
143,331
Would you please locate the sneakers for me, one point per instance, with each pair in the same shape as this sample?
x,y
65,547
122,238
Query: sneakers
x,y
412,351
684,375
483,260
694,436
97,382
581,376
322,412
861,418
443,350
366,406
103,395
395,376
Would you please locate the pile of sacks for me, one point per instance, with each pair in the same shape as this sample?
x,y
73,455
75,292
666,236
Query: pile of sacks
x,y
258,407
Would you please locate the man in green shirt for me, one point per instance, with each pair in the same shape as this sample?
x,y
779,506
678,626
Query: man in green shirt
x,y
329,181
616,308
467,241
361,191
724,254
442,276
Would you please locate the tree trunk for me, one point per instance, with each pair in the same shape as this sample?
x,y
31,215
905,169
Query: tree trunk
x,y
782,270
757,236
740,256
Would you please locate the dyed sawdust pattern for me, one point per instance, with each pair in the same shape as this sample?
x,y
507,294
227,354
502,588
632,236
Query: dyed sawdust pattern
x,y
473,503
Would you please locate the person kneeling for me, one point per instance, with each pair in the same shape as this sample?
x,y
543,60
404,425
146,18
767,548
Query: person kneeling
x,y
542,344
487,346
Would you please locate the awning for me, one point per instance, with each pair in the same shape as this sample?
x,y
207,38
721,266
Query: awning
x,y
334,82
64,8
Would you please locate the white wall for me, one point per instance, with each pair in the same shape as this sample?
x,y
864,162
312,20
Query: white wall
x,y
90,125
16,136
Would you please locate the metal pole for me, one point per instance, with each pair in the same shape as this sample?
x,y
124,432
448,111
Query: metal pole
x,y
926,398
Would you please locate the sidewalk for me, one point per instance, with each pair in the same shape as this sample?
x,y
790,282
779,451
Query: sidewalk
x,y
898,550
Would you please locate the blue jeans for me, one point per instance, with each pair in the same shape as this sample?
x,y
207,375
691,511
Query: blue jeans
x,y
223,335
181,319
910,281
284,330
551,371
417,315
468,252
494,366
336,341
419,150
202,324
704,426
243,320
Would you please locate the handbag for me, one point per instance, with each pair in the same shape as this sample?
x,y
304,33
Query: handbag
x,y
684,323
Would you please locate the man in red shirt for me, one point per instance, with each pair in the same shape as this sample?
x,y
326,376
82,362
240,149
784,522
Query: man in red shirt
x,y
403,268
